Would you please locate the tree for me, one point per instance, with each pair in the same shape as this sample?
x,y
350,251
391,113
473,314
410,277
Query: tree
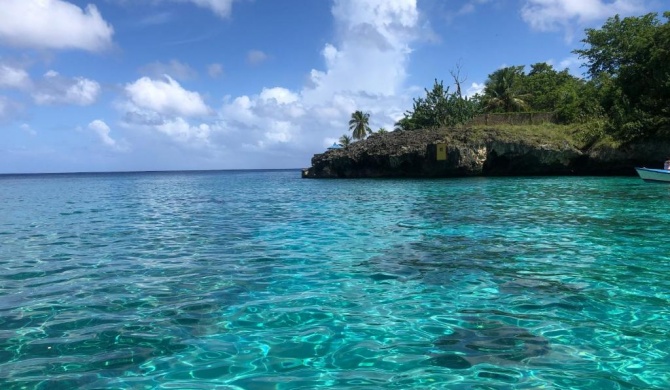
x,y
382,131
345,140
628,59
618,43
404,123
546,89
359,124
439,108
541,68
503,90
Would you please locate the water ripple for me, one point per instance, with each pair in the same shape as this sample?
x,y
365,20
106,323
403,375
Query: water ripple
x,y
238,280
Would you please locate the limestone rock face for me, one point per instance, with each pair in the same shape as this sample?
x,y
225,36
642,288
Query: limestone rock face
x,y
415,154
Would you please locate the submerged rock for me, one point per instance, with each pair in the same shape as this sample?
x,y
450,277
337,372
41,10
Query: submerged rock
x,y
477,153
496,344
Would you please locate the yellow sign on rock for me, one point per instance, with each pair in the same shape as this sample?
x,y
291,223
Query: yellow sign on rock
x,y
441,152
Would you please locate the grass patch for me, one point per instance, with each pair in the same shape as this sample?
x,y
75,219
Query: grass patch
x,y
578,135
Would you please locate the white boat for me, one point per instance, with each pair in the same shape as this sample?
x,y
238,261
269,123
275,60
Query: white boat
x,y
654,175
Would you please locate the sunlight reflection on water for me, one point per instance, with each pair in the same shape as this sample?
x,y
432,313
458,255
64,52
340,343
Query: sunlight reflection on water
x,y
261,280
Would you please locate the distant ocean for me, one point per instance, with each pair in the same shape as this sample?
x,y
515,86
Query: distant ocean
x,y
262,280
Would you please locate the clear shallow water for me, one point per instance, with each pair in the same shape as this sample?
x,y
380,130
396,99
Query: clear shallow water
x,y
262,280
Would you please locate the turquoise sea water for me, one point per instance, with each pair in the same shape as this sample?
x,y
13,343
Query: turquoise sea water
x,y
262,280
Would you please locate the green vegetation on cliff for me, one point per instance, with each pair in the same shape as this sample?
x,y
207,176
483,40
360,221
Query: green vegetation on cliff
x,y
625,97
628,61
439,109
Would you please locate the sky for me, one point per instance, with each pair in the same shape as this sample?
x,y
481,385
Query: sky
x,y
150,85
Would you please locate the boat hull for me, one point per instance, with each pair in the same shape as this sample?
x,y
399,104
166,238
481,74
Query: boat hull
x,y
654,175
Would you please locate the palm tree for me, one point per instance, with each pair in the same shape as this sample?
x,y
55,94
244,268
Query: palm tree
x,y
345,140
359,124
382,131
502,90
403,124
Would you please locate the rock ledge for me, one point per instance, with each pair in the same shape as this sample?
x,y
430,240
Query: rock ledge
x,y
483,153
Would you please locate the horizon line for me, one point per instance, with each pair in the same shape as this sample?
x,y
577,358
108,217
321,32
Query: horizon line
x,y
147,171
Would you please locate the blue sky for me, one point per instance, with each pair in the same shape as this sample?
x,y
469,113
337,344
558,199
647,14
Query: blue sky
x,y
126,85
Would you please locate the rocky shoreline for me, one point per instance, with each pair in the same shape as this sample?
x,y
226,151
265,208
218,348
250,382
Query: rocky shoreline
x,y
490,152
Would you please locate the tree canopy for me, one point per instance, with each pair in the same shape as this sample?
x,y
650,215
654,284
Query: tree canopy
x,y
439,108
345,140
503,90
542,89
359,124
628,62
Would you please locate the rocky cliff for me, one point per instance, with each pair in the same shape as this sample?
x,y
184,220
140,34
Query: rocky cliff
x,y
478,153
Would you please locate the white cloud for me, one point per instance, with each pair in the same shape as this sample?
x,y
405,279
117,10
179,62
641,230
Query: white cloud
x,y
365,68
571,63
183,132
9,109
164,107
240,110
166,97
174,69
102,130
475,88
214,70
11,77
280,131
255,57
52,88
221,8
53,24
175,128
56,89
279,95
373,49
552,15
